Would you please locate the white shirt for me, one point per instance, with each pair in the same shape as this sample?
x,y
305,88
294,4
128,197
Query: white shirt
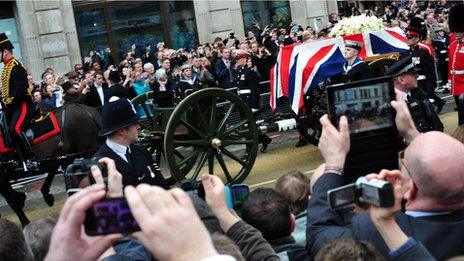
x,y
100,93
118,149
424,213
404,95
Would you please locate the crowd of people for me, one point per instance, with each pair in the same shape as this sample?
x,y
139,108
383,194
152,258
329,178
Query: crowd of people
x,y
293,220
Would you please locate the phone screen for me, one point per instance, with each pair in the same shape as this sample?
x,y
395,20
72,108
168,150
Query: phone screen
x,y
110,216
239,194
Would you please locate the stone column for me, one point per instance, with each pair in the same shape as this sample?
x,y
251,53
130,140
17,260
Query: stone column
x,y
218,19
48,36
312,13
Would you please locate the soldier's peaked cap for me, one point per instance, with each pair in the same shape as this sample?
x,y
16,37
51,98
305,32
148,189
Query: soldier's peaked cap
x,y
417,26
241,54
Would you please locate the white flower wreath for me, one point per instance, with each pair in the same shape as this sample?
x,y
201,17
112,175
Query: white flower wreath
x,y
356,25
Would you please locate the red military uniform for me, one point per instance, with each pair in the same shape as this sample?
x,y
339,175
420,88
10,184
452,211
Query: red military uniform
x,y
456,67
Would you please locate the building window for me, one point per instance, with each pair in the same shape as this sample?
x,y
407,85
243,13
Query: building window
x,y
138,23
275,13
92,30
121,24
181,24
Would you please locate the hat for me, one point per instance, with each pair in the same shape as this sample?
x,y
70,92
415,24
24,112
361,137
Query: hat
x,y
114,76
5,43
353,44
116,115
403,66
417,27
66,86
71,74
185,66
456,18
239,54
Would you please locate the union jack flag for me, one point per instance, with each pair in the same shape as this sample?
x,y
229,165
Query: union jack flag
x,y
301,67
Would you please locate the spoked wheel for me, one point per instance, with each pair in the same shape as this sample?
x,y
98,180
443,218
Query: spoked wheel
x,y
214,130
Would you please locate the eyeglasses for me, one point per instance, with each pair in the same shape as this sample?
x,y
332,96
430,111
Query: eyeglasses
x,y
402,162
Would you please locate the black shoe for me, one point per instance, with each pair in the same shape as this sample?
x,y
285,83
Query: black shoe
x,y
301,143
455,109
440,103
265,143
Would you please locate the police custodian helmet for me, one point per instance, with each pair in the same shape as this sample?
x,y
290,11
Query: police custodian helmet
x,y
116,115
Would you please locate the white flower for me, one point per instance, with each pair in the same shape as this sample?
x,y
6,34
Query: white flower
x,y
356,24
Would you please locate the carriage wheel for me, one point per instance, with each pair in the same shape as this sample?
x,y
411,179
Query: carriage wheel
x,y
311,133
216,131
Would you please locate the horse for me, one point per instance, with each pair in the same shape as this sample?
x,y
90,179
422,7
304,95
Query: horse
x,y
78,137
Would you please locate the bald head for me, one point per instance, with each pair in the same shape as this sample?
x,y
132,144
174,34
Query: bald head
x,y
436,164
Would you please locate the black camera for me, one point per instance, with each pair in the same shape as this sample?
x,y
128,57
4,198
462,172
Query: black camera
x,y
78,170
374,192
193,188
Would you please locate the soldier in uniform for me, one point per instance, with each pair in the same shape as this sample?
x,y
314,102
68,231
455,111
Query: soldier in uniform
x,y
16,100
247,82
441,44
354,68
121,128
423,59
405,82
456,58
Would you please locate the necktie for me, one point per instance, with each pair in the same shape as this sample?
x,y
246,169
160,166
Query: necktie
x,y
409,98
128,156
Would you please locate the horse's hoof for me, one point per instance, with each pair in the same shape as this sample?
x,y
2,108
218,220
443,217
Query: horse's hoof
x,y
49,199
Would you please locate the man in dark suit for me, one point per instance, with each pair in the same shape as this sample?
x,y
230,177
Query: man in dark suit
x,y
121,129
433,192
95,95
223,69
115,88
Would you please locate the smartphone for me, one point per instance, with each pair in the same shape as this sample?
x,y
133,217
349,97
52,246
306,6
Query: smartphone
x,y
239,193
110,216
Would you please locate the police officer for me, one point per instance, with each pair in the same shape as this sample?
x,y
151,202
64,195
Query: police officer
x,y
456,58
16,100
405,82
423,59
121,128
354,68
247,82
